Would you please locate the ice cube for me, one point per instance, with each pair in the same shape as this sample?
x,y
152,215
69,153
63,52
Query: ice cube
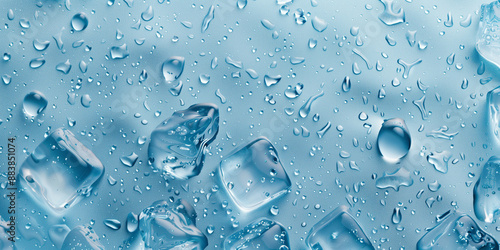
x,y
253,174
456,230
262,233
486,195
60,171
164,225
178,144
488,35
494,112
338,230
82,238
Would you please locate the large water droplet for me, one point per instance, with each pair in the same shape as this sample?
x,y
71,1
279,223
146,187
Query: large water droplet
x,y
271,80
172,68
34,103
208,18
148,14
319,24
86,100
306,108
79,22
390,16
394,139
119,52
64,67
132,222
396,216
40,45
37,62
113,223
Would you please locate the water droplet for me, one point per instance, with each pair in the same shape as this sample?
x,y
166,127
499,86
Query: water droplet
x,y
306,108
294,92
271,80
312,43
439,160
207,19
204,79
113,223
346,84
129,160
6,79
24,23
79,22
394,139
318,24
132,222
40,45
119,52
37,62
148,14
267,24
241,4
389,16
408,66
64,67
172,68
34,103
10,14
86,100
396,216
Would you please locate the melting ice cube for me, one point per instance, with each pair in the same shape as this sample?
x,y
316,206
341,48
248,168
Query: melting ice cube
x,y
61,170
338,230
456,230
486,195
494,111
178,144
262,233
171,226
253,174
82,238
488,34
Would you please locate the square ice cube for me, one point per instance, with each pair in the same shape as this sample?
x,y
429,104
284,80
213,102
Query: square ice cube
x,y
253,174
263,233
338,230
488,34
60,171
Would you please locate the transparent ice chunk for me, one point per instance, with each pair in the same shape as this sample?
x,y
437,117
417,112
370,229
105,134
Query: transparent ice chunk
x,y
82,238
488,34
456,230
60,171
486,195
253,174
165,225
178,144
263,233
494,112
338,230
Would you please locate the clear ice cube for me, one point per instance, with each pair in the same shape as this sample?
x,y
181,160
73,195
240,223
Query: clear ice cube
x,y
486,195
338,230
263,233
82,238
165,225
456,230
494,111
488,35
253,174
178,144
60,171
